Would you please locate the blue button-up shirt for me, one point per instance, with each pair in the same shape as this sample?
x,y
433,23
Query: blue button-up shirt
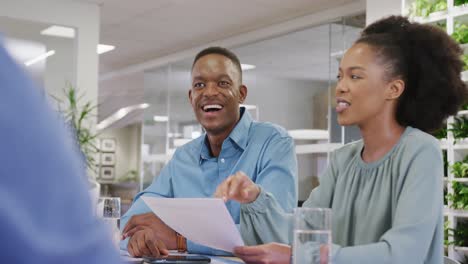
x,y
263,151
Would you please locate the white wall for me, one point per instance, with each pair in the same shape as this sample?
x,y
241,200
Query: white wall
x,y
376,9
127,148
60,68
285,102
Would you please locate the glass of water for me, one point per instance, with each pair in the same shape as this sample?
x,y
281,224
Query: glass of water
x,y
108,210
312,236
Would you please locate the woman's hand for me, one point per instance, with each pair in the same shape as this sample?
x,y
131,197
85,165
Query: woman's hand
x,y
269,253
238,187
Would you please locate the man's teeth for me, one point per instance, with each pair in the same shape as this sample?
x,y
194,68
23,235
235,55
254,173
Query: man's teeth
x,y
343,104
212,107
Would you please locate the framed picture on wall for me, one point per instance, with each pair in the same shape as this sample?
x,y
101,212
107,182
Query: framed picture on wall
x,y
108,145
107,159
107,173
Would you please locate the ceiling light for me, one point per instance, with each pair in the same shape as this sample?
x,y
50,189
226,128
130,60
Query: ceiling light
x,y
246,67
160,118
39,58
101,48
143,106
121,113
59,31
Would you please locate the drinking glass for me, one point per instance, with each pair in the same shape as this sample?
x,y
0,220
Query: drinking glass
x,y
312,236
108,210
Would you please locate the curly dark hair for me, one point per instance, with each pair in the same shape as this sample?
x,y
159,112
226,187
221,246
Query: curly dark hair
x,y
428,61
220,51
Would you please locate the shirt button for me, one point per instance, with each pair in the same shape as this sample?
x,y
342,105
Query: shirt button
x,y
222,160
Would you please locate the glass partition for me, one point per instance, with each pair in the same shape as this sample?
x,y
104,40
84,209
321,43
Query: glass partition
x,y
343,34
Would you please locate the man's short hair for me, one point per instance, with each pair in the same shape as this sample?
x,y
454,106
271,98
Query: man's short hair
x,y
223,52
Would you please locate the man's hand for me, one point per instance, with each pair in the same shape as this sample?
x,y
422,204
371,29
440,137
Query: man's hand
x,y
271,253
144,243
238,187
150,221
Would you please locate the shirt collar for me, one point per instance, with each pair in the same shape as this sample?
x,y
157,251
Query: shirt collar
x,y
239,134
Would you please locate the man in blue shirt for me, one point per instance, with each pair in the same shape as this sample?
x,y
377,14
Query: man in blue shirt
x,y
45,211
233,145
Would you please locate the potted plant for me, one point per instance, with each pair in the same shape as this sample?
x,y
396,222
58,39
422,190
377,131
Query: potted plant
x,y
460,168
459,197
459,234
460,33
76,115
441,133
459,128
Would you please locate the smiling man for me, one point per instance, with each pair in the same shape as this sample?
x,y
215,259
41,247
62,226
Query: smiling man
x,y
233,147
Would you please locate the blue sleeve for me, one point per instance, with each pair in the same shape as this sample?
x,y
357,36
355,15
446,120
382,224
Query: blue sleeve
x,y
267,218
160,187
278,172
45,211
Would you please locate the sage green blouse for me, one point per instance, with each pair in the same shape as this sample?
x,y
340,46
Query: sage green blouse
x,y
388,211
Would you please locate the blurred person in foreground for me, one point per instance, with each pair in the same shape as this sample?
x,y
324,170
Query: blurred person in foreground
x,y
45,212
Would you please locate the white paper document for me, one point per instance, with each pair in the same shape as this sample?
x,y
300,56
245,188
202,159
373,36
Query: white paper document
x,y
204,221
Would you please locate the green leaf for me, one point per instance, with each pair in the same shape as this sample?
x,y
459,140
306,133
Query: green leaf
x,y
423,8
460,33
459,128
460,2
77,113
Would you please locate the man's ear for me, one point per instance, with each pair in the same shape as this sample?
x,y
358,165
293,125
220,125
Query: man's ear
x,y
395,89
242,93
190,95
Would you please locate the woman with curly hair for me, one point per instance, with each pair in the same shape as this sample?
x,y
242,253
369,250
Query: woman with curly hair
x,y
398,82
